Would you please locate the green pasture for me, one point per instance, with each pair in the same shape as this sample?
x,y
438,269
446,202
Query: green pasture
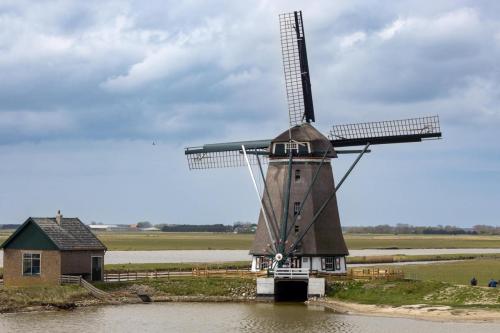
x,y
151,267
175,241
408,292
368,241
129,241
229,241
15,299
460,272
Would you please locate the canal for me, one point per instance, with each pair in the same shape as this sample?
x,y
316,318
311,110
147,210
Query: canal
x,y
223,317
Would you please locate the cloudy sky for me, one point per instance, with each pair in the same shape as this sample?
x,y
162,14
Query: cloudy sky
x,y
87,86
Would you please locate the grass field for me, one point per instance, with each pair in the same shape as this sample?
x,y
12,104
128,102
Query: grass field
x,y
115,268
420,241
189,286
398,293
454,272
227,241
175,241
12,299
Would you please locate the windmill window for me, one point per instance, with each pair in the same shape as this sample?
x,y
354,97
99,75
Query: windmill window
x,y
31,264
297,148
296,228
304,149
279,149
297,175
291,146
296,208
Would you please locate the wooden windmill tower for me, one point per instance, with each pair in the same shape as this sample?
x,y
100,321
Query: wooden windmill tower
x,y
299,224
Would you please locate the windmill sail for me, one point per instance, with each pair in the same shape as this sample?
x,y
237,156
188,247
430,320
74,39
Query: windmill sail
x,y
296,68
383,132
226,155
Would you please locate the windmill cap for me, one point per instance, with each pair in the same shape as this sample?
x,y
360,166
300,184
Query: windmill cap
x,y
307,133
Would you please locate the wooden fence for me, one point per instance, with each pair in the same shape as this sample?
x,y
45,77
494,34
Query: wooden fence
x,y
375,273
78,280
196,272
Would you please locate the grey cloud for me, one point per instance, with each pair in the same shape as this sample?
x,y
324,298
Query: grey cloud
x,y
177,70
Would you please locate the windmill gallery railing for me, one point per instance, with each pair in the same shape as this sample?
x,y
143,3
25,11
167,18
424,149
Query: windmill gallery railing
x,y
291,273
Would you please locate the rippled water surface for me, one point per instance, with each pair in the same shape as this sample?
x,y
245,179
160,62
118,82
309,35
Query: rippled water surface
x,y
223,317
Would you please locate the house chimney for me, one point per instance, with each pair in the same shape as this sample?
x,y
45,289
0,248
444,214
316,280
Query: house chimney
x,y
59,217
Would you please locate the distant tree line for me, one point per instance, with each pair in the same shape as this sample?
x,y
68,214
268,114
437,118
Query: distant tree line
x,y
487,229
197,228
237,227
9,226
435,230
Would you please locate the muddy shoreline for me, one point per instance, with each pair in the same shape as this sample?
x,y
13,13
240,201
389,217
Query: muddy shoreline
x,y
417,311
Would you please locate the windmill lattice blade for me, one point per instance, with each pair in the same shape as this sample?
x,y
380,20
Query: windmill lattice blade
x,y
222,159
296,68
226,155
382,132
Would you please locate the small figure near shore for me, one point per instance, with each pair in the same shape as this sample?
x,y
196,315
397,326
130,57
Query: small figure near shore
x,y
473,282
492,283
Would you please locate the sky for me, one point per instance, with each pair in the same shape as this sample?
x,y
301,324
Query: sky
x,y
86,87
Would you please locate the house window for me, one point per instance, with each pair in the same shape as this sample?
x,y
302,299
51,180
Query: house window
x,y
296,208
329,264
337,264
31,264
297,175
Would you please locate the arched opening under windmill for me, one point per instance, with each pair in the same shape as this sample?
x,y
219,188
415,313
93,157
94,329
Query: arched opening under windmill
x,y
290,290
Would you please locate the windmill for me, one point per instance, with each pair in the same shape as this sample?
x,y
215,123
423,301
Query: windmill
x,y
299,224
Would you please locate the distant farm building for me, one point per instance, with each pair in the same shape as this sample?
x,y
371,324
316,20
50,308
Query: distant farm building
x,y
99,227
44,248
149,229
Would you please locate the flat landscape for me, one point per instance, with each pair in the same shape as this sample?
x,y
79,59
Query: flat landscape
x,y
137,241
458,272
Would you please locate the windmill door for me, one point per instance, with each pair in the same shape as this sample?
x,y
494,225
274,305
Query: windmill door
x,y
97,268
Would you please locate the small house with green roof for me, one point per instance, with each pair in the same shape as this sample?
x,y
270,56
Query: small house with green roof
x,y
44,248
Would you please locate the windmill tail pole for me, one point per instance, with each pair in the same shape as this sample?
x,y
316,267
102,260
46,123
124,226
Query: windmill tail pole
x,y
273,243
320,210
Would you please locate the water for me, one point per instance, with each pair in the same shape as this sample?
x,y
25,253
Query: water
x,y
223,317
176,256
